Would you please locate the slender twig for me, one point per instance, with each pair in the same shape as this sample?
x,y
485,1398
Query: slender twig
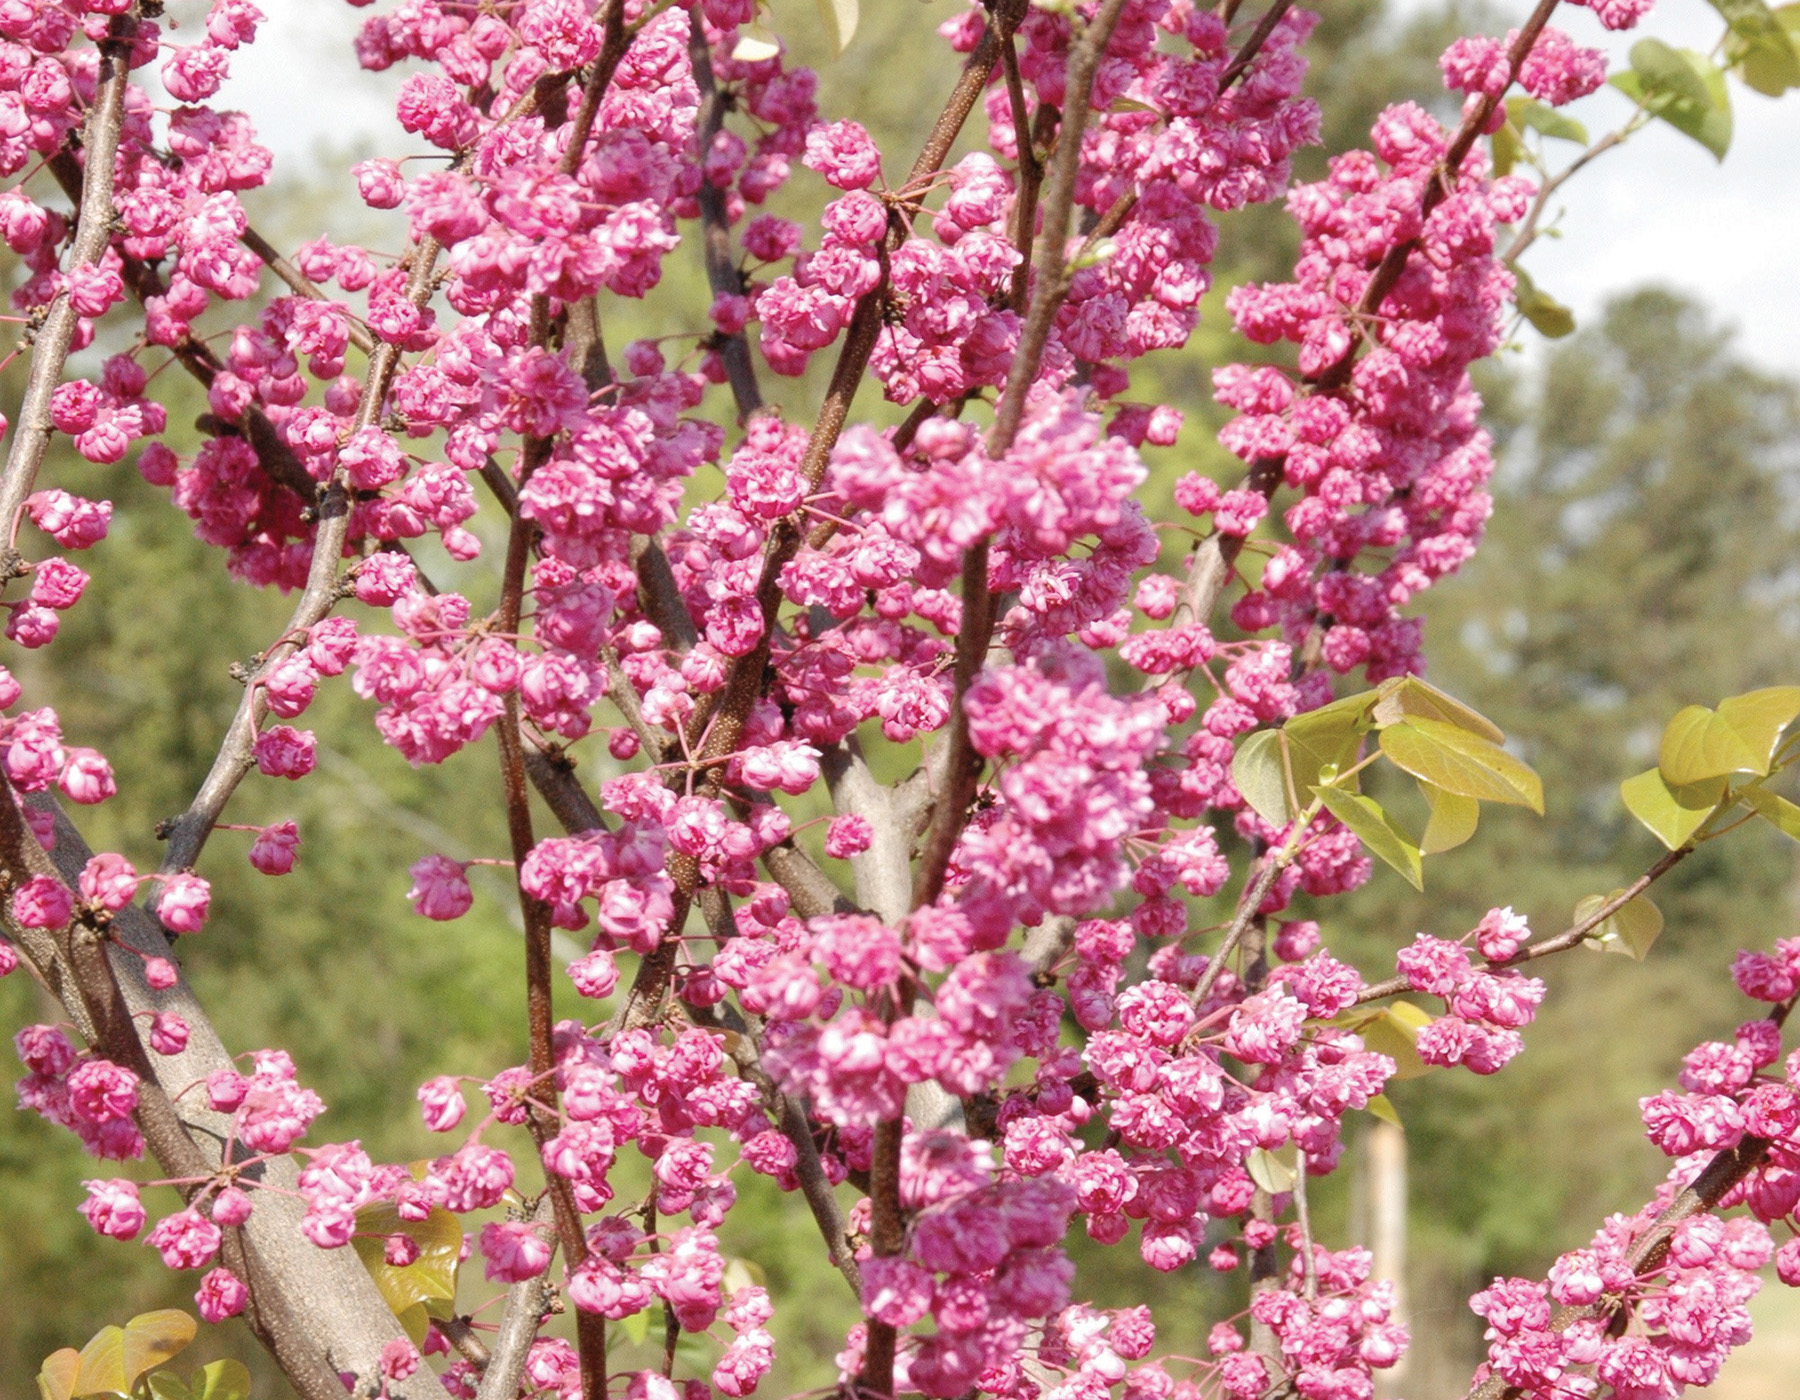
x,y
1259,36
93,231
1309,1264
301,283
1052,239
187,833
722,274
1528,229
1570,937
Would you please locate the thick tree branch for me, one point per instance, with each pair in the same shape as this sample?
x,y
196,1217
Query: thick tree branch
x,y
316,1310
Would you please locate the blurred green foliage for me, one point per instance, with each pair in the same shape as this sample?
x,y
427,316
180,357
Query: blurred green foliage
x,y
1639,559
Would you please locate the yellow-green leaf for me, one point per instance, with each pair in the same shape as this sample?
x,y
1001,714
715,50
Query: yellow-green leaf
x,y
1672,812
1507,148
1462,763
431,1276
636,1326
1699,744
1630,929
1778,811
1453,820
1269,1171
755,44
1759,717
1395,1033
1528,111
1548,316
1256,772
103,1364
152,1338
1325,738
1383,1108
166,1385
1376,830
1409,696
222,1380
56,1378
839,18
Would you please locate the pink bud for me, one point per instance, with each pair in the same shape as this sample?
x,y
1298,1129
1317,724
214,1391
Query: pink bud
x,y
184,903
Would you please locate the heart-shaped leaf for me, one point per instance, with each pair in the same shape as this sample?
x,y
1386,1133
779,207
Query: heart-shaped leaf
x,y
1376,830
222,1380
1453,820
431,1276
152,1338
1269,1171
1408,696
839,18
1778,811
103,1364
1257,773
1700,743
1672,812
1759,716
1630,929
56,1378
1462,763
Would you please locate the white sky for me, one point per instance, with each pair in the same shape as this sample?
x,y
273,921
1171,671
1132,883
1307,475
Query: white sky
x,y
1661,209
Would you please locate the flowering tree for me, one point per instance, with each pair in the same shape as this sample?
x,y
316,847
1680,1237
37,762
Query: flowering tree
x,y
992,1006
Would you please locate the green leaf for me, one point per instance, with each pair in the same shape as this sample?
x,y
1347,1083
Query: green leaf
x,y
1269,1171
152,1338
1683,88
1759,716
1257,773
1408,696
1376,830
1462,763
1784,815
755,44
166,1385
1548,316
1528,111
636,1326
1671,812
221,1380
1383,1108
1761,47
1508,148
431,1276
1394,1032
1630,929
1453,820
1700,743
56,1377
839,18
103,1364
1328,738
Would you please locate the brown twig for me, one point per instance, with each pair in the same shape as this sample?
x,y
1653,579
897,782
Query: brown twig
x,y
722,274
93,232
1570,937
317,1311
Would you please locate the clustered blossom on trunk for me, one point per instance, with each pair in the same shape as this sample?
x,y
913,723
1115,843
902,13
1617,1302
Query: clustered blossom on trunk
x,y
1015,1024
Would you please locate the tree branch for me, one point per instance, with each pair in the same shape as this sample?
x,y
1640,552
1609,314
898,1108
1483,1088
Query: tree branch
x,y
1570,937
93,232
316,1310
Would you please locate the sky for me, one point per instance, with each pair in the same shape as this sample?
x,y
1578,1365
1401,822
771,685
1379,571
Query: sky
x,y
1661,209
